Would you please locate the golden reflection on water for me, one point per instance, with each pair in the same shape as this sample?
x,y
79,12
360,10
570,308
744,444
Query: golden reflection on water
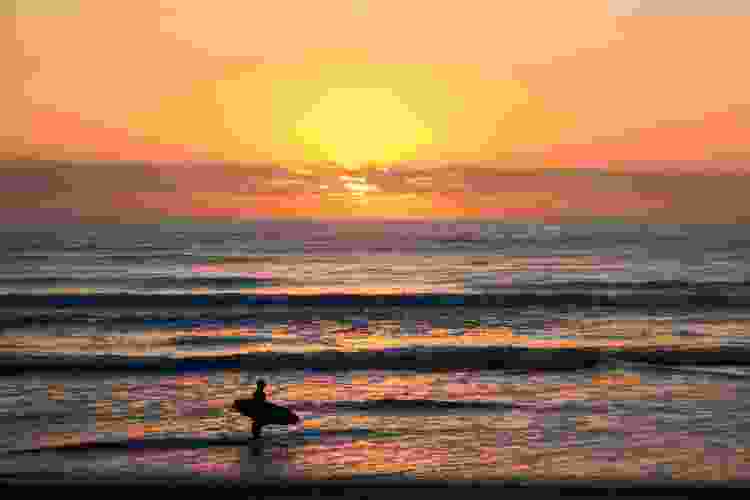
x,y
494,444
651,333
340,289
445,447
600,334
455,446
613,386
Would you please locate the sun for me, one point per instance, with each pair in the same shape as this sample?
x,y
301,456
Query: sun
x,y
358,115
356,126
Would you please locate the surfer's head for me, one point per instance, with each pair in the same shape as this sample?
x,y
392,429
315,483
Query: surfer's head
x,y
260,383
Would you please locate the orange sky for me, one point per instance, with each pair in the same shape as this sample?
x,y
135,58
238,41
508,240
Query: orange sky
x,y
189,101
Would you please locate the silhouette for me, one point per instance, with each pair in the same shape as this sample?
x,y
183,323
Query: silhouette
x,y
262,412
260,395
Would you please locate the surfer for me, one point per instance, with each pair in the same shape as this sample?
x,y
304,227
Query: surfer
x,y
259,397
262,412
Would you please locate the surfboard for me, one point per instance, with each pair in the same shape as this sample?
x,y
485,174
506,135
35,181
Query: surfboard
x,y
265,413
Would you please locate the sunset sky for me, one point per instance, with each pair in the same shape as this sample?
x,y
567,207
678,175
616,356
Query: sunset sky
x,y
151,109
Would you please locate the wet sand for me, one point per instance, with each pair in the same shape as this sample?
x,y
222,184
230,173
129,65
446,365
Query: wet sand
x,y
359,488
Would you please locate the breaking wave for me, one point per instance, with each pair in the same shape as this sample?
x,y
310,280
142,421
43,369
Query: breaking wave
x,y
651,294
501,357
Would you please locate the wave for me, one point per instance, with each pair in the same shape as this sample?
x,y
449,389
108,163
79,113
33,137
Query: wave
x,y
140,320
403,407
714,369
163,443
49,414
489,358
400,405
726,356
649,295
635,286
220,340
510,358
154,283
283,437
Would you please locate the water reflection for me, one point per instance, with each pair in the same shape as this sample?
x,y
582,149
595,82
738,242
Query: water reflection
x,y
611,334
559,426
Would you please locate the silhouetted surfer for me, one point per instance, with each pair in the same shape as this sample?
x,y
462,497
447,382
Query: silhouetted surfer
x,y
260,396
262,412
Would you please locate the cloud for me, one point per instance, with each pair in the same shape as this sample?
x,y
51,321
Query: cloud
x,y
30,183
679,7
720,142
40,7
139,191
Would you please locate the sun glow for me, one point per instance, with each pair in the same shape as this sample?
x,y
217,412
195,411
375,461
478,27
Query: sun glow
x,y
353,126
358,115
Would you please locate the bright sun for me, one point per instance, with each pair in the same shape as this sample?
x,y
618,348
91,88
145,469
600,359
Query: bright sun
x,y
354,126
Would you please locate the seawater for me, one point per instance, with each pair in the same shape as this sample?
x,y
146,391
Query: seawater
x,y
438,350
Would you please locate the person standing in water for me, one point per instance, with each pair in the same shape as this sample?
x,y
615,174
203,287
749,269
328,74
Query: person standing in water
x,y
262,412
259,397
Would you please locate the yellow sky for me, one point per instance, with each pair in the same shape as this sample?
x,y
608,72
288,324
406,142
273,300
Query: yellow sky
x,y
643,83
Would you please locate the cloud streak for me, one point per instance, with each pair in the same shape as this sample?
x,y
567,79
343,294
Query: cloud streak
x,y
142,191
679,7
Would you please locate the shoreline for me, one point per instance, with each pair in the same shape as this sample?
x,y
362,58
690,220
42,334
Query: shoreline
x,y
364,487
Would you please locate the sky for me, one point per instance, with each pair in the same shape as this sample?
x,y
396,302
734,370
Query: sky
x,y
153,109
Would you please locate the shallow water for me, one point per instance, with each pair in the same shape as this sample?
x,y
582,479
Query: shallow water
x,y
611,423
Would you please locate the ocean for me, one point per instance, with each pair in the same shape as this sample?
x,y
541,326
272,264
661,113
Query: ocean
x,y
416,350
